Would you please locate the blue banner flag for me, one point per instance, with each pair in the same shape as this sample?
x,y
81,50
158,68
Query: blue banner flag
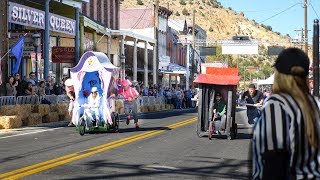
x,y
17,51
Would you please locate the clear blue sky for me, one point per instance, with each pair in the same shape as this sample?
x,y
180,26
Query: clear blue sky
x,y
285,22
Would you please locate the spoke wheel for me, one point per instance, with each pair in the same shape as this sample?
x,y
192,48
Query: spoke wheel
x,y
82,127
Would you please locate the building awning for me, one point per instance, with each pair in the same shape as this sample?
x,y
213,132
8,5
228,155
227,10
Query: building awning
x,y
90,23
131,36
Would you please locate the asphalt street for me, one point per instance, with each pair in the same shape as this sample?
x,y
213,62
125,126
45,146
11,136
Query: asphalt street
x,y
165,147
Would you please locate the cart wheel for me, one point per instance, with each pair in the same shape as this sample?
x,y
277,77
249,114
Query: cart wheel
x,y
229,137
211,130
117,122
82,127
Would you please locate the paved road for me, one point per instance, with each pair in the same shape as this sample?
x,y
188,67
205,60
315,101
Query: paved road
x,y
164,148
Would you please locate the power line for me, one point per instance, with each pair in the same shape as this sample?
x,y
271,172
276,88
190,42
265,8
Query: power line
x,y
280,12
141,16
314,10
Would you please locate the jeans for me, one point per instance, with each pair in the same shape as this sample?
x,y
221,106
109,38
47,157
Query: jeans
x,y
253,115
131,106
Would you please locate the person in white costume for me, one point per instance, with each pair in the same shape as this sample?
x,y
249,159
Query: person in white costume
x,y
92,108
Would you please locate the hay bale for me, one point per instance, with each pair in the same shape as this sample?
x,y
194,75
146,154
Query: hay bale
x,y
23,110
62,108
50,117
10,122
43,109
171,106
151,108
34,119
53,108
64,117
7,110
157,107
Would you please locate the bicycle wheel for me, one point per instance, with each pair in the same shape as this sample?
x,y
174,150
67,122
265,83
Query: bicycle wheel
x,y
82,127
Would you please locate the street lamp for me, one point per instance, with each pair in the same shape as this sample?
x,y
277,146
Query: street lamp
x,y
36,43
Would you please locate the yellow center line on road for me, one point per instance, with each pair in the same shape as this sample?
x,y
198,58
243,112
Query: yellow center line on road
x,y
32,169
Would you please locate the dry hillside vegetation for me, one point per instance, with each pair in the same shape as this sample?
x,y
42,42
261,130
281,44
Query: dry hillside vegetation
x,y
219,22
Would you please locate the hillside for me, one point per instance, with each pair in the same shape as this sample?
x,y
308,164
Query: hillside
x,y
219,22
222,23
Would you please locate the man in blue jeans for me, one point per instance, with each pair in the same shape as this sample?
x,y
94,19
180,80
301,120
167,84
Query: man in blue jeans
x,y
254,99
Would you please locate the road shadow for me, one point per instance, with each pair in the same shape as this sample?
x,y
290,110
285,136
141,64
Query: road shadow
x,y
210,168
142,129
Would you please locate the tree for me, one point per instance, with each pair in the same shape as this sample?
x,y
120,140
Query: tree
x,y
211,29
177,13
139,2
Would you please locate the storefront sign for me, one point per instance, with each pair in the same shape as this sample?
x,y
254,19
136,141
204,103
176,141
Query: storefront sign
x,y
27,16
63,54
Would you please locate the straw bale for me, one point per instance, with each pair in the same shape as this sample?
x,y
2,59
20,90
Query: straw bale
x,y
139,109
34,119
51,117
151,108
43,109
10,122
54,107
23,110
62,108
157,107
171,106
7,110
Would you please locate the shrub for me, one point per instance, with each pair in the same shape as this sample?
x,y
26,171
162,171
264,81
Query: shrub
x,y
185,12
139,2
182,2
177,13
211,29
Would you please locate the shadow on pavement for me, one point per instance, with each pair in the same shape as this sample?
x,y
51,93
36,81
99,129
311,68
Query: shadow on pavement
x,y
212,168
143,129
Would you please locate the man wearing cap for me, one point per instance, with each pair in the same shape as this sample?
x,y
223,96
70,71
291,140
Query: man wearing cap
x,y
254,99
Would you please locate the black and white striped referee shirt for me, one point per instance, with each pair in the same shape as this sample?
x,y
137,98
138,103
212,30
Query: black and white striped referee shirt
x,y
280,141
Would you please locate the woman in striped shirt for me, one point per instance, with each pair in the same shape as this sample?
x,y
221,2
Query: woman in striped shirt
x,y
286,137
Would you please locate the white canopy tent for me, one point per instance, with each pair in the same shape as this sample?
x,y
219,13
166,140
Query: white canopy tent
x,y
267,81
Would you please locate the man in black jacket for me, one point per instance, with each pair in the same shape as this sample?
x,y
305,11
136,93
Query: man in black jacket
x,y
253,99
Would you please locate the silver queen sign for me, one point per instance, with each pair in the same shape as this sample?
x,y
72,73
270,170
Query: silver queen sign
x,y
27,16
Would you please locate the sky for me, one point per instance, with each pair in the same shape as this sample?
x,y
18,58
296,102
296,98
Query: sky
x,y
284,16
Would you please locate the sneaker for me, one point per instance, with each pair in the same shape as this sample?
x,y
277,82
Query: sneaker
x,y
70,124
137,125
128,120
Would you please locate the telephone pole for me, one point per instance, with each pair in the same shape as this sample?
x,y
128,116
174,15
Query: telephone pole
x,y
3,40
306,26
300,42
156,45
193,46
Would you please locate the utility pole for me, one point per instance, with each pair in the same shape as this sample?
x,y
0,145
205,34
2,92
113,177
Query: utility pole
x,y
156,45
300,42
306,26
316,58
193,46
3,40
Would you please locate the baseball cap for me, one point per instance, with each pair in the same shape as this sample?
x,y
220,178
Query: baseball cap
x,y
252,86
292,57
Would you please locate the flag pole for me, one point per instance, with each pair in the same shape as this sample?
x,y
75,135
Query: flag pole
x,y
9,50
